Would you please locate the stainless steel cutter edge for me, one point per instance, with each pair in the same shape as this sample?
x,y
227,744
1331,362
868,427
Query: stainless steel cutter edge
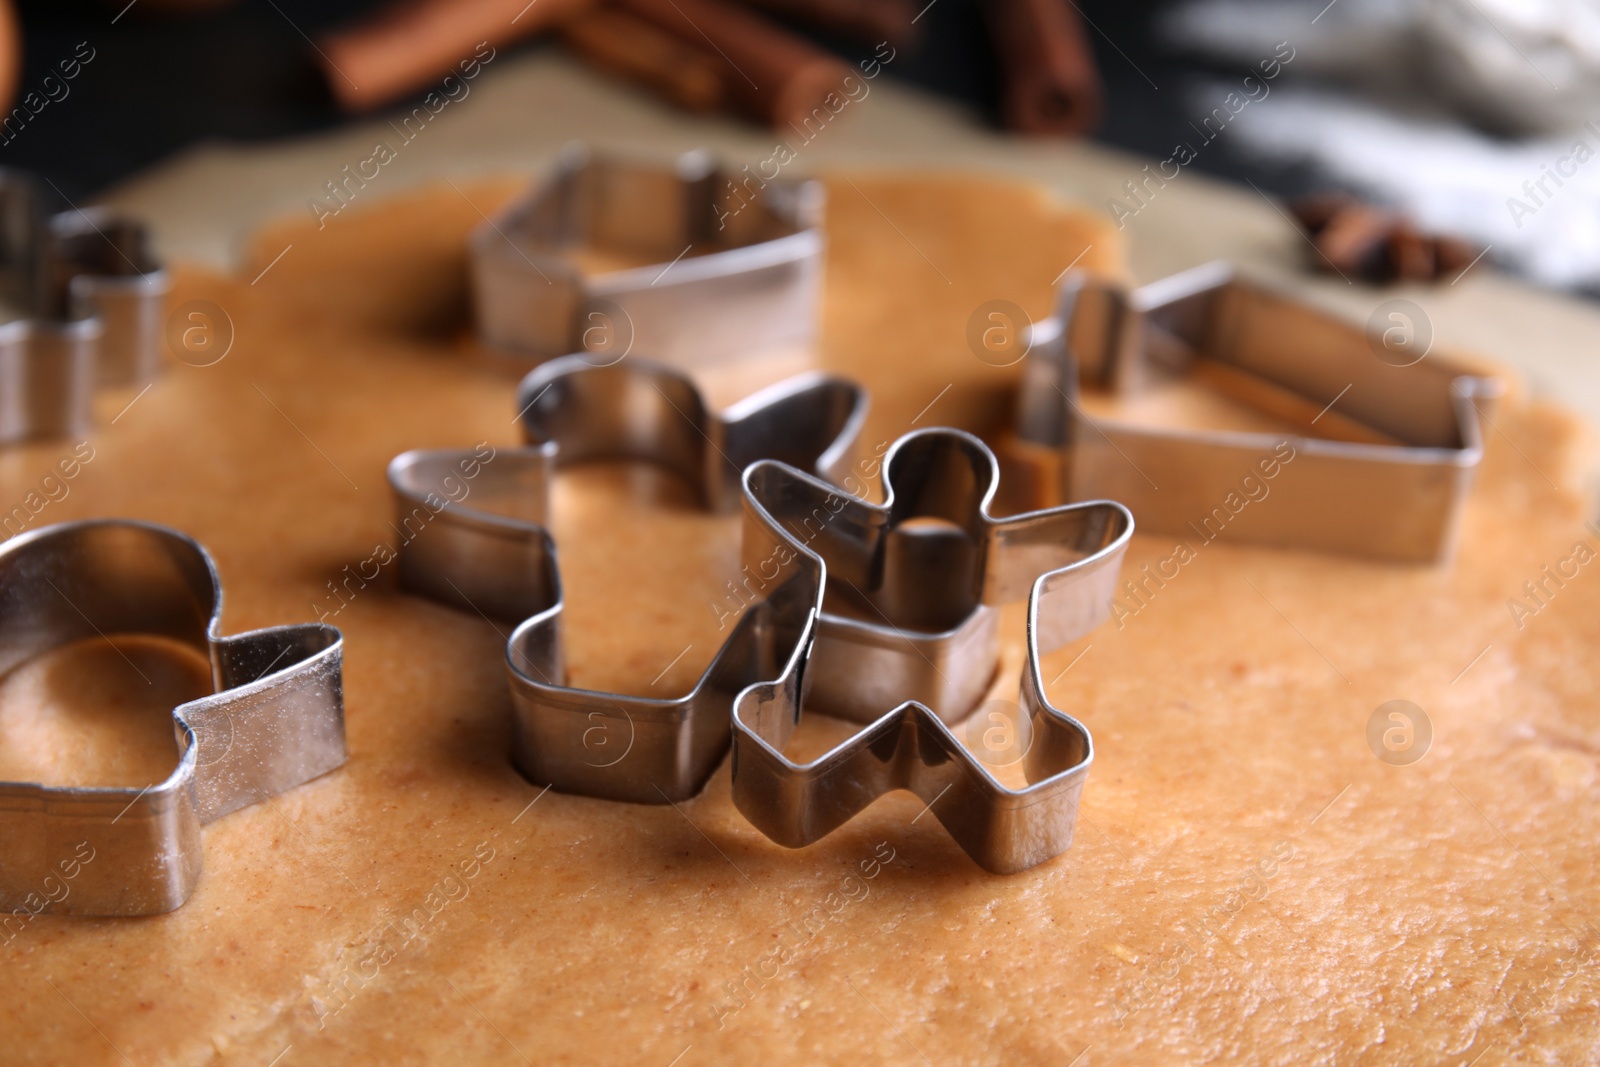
x,y
1002,829
495,557
87,325
757,294
1396,502
275,721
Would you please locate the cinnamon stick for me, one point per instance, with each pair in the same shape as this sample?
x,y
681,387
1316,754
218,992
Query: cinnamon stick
x,y
1050,82
1378,245
1355,240
414,42
769,72
627,46
871,21
1411,254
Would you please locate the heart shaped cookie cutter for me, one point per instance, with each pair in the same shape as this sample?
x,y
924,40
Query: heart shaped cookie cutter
x,y
275,721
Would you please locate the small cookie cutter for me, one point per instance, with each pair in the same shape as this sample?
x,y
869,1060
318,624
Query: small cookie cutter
x,y
754,290
1396,494
276,720
92,297
495,557
1066,559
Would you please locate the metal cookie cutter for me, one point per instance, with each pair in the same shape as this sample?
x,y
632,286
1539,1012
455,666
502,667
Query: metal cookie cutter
x,y
494,556
276,720
1392,486
905,608
91,296
598,257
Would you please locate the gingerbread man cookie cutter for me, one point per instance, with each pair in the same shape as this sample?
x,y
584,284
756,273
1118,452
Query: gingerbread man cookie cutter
x,y
495,557
275,721
904,609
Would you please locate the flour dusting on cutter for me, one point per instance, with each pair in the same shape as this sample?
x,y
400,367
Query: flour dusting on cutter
x,y
275,721
496,558
1393,487
904,609
670,261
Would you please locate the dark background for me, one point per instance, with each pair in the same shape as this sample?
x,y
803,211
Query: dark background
x,y
159,83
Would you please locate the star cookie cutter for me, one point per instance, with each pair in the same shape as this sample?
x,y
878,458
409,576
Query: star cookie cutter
x,y
275,721
753,289
1392,485
496,558
91,295
884,631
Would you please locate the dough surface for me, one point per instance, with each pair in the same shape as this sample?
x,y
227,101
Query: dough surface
x,y
1249,883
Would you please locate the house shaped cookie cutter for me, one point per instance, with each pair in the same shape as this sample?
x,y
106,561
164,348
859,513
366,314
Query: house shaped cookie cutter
x,y
1393,489
714,271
